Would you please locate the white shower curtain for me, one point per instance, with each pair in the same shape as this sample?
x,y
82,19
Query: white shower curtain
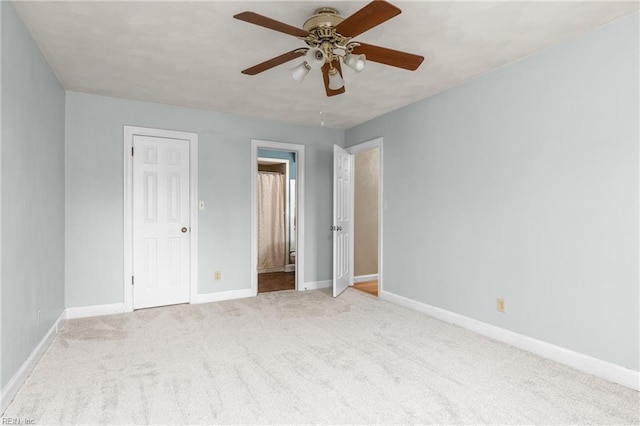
x,y
271,222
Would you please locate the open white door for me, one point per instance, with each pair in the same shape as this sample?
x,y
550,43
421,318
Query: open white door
x,y
342,221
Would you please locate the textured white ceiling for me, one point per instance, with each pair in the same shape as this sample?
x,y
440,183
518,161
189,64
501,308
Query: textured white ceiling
x,y
191,53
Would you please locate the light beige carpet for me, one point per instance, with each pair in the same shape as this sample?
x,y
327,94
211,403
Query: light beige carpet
x,y
305,357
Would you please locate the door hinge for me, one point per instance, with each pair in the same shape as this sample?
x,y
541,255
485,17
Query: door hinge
x,y
131,279
132,151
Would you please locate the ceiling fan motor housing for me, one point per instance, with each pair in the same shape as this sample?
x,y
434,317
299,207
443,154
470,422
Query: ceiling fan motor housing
x,y
323,35
323,21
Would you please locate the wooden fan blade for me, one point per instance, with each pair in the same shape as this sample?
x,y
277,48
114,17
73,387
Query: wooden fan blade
x,y
373,14
272,24
273,62
325,76
395,58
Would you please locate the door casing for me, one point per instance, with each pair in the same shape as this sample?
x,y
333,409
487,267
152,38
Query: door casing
x,y
192,138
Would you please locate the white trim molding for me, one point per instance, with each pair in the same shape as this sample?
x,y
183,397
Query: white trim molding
x,y
585,363
365,278
316,285
224,295
274,269
192,138
95,310
299,151
15,383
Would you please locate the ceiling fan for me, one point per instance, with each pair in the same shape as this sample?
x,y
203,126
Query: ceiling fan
x,y
329,37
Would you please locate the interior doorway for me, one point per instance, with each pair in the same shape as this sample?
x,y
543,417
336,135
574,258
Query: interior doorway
x,y
363,223
276,220
277,216
365,220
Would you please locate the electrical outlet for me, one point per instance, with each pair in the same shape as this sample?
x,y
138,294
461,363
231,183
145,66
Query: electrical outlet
x,y
500,304
201,205
217,276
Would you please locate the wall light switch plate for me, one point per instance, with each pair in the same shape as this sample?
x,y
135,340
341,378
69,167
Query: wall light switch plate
x,y
201,205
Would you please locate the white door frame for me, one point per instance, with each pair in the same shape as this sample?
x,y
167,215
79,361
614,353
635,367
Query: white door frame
x,y
299,151
365,146
192,138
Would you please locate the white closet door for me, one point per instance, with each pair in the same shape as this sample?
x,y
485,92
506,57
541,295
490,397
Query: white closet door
x,y
161,229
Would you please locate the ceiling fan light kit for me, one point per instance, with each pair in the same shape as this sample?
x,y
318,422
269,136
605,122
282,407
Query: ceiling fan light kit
x,y
329,39
315,58
355,62
335,79
300,72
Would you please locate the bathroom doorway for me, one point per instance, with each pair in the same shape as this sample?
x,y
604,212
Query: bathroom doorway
x,y
276,220
276,216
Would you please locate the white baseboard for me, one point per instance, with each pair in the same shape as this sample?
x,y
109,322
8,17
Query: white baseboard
x,y
95,310
269,270
365,278
604,369
224,295
316,285
118,308
15,383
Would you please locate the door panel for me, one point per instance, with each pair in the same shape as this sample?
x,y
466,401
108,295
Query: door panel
x,y
161,255
342,220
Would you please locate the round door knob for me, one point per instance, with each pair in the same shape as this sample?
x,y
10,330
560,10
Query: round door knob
x,y
184,229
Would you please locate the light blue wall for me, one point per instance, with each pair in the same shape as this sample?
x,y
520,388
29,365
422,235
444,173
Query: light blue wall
x,y
32,194
94,192
283,155
1,350
523,184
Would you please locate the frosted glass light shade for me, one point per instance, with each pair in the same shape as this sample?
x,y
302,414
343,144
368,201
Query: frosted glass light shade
x,y
335,80
355,62
299,73
315,58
